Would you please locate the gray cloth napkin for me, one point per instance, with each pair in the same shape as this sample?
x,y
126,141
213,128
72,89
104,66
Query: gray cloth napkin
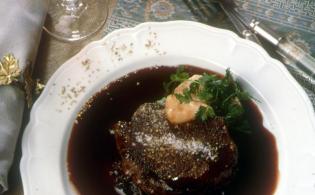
x,y
21,23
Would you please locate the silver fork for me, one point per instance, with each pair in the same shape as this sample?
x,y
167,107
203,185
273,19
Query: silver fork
x,y
200,10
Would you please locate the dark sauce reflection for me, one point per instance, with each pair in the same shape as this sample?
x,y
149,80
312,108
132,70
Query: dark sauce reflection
x,y
92,150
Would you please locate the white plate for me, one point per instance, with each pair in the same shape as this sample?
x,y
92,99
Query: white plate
x,y
287,111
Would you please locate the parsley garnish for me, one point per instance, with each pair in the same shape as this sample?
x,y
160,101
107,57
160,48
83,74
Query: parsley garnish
x,y
222,95
175,79
204,113
185,97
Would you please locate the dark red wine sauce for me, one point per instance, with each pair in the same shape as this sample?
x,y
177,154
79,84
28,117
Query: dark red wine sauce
x,y
92,150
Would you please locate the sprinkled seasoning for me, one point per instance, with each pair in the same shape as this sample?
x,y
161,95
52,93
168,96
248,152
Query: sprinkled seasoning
x,y
152,45
68,95
192,146
119,51
86,64
73,87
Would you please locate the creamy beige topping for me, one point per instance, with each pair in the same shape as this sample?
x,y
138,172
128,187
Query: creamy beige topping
x,y
177,112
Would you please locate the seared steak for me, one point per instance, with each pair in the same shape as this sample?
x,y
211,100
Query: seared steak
x,y
162,158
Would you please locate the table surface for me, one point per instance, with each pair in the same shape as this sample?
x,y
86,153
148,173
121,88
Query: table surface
x,y
51,55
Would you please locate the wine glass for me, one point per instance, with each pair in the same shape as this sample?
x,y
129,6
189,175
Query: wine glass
x,y
72,20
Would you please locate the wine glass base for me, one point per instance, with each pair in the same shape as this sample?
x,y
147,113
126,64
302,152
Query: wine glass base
x,y
76,20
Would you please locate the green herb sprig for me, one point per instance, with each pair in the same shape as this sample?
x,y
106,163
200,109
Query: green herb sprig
x,y
222,95
205,112
175,79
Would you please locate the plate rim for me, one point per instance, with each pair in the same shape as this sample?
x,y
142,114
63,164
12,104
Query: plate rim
x,y
26,150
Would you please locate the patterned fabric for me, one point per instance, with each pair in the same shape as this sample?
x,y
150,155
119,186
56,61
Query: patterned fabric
x,y
296,17
293,18
129,13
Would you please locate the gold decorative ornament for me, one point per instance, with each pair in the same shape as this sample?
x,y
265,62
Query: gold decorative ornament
x,y
31,87
9,70
10,74
39,87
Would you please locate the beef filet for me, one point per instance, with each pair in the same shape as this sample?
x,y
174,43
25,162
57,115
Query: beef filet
x,y
162,158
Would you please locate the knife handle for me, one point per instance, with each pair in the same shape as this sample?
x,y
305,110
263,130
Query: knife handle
x,y
292,51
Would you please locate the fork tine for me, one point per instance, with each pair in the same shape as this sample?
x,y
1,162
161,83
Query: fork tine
x,y
196,10
203,9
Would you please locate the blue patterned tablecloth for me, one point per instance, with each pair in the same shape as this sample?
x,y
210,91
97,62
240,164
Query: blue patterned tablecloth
x,y
293,18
